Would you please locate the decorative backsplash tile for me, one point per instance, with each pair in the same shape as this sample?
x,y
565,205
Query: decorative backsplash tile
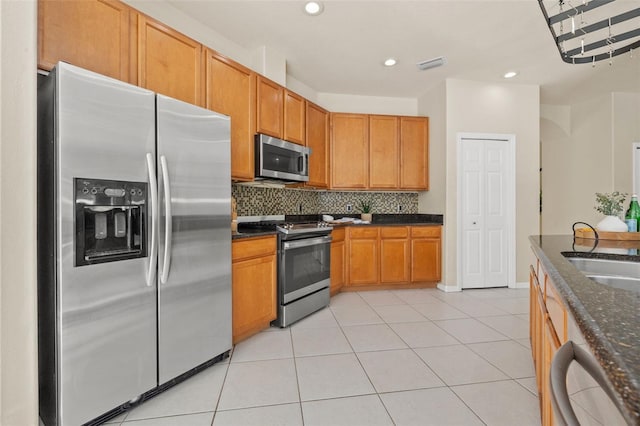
x,y
258,200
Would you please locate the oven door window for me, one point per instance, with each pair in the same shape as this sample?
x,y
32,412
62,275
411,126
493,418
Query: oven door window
x,y
305,268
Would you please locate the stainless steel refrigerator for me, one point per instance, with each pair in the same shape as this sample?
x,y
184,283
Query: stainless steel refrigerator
x,y
134,243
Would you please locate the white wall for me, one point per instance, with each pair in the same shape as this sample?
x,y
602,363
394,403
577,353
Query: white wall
x,y
476,107
368,104
626,130
18,339
271,63
592,154
433,105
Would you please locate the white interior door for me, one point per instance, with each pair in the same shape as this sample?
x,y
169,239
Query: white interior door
x,y
486,208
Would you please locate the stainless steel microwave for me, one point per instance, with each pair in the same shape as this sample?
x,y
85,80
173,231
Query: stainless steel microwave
x,y
282,160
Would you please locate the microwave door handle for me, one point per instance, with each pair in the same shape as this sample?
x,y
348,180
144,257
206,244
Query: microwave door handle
x,y
166,264
153,190
303,160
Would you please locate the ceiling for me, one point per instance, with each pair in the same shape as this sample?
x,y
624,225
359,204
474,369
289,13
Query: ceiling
x,y
342,50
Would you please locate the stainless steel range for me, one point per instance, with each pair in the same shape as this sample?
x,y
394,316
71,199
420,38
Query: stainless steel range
x,y
304,263
304,255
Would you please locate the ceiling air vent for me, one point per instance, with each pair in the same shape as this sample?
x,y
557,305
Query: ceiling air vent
x,y
431,63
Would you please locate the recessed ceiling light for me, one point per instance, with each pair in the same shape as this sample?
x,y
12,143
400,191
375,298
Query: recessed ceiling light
x,y
313,8
389,62
510,74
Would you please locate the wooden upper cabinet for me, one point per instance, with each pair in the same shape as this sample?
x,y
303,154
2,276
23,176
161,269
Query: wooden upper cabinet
x,y
294,118
349,150
269,108
95,35
383,151
414,153
317,138
231,90
169,62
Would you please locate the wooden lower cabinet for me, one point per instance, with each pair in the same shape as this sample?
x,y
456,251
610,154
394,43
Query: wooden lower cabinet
x,y
337,260
363,256
395,250
426,252
254,285
379,256
545,339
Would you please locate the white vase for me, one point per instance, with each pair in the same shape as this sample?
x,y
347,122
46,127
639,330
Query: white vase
x,y
612,224
366,217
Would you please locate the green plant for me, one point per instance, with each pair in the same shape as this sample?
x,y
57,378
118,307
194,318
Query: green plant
x,y
610,204
365,206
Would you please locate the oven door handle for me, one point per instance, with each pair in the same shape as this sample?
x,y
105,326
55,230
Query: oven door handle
x,y
306,242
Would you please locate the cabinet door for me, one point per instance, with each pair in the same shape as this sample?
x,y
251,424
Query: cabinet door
x,y
169,62
551,346
294,118
383,151
318,140
362,255
254,295
394,261
349,151
337,266
231,91
425,260
92,34
269,108
414,153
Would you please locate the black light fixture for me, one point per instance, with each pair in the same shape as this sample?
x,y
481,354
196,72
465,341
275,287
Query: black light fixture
x,y
587,31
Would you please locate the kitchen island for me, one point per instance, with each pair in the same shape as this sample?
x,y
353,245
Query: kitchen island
x,y
607,317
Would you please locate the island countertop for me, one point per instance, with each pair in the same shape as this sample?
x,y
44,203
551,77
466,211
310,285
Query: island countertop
x,y
608,317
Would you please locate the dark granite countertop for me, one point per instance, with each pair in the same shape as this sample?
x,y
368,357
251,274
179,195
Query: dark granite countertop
x,y
377,220
608,317
240,235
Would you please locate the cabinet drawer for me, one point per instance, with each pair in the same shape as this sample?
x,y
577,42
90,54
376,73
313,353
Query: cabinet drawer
x,y
253,247
363,233
394,232
337,234
425,231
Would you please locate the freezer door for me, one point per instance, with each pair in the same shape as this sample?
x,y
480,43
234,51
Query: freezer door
x,y
106,313
194,265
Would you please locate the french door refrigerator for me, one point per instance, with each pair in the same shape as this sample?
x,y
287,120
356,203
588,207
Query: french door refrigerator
x,y
134,244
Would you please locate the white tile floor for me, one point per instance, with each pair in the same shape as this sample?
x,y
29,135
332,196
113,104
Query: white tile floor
x,y
402,357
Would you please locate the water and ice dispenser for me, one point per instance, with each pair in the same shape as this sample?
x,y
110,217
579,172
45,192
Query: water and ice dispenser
x,y
110,219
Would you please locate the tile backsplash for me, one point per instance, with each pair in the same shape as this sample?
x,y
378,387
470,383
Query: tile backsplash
x,y
258,200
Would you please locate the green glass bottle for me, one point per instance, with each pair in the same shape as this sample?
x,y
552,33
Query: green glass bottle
x,y
633,214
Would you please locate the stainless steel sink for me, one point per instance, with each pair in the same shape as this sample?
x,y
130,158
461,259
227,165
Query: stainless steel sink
x,y
625,283
606,267
613,273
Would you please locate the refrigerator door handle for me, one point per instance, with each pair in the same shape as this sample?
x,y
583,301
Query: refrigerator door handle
x,y
166,265
153,256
